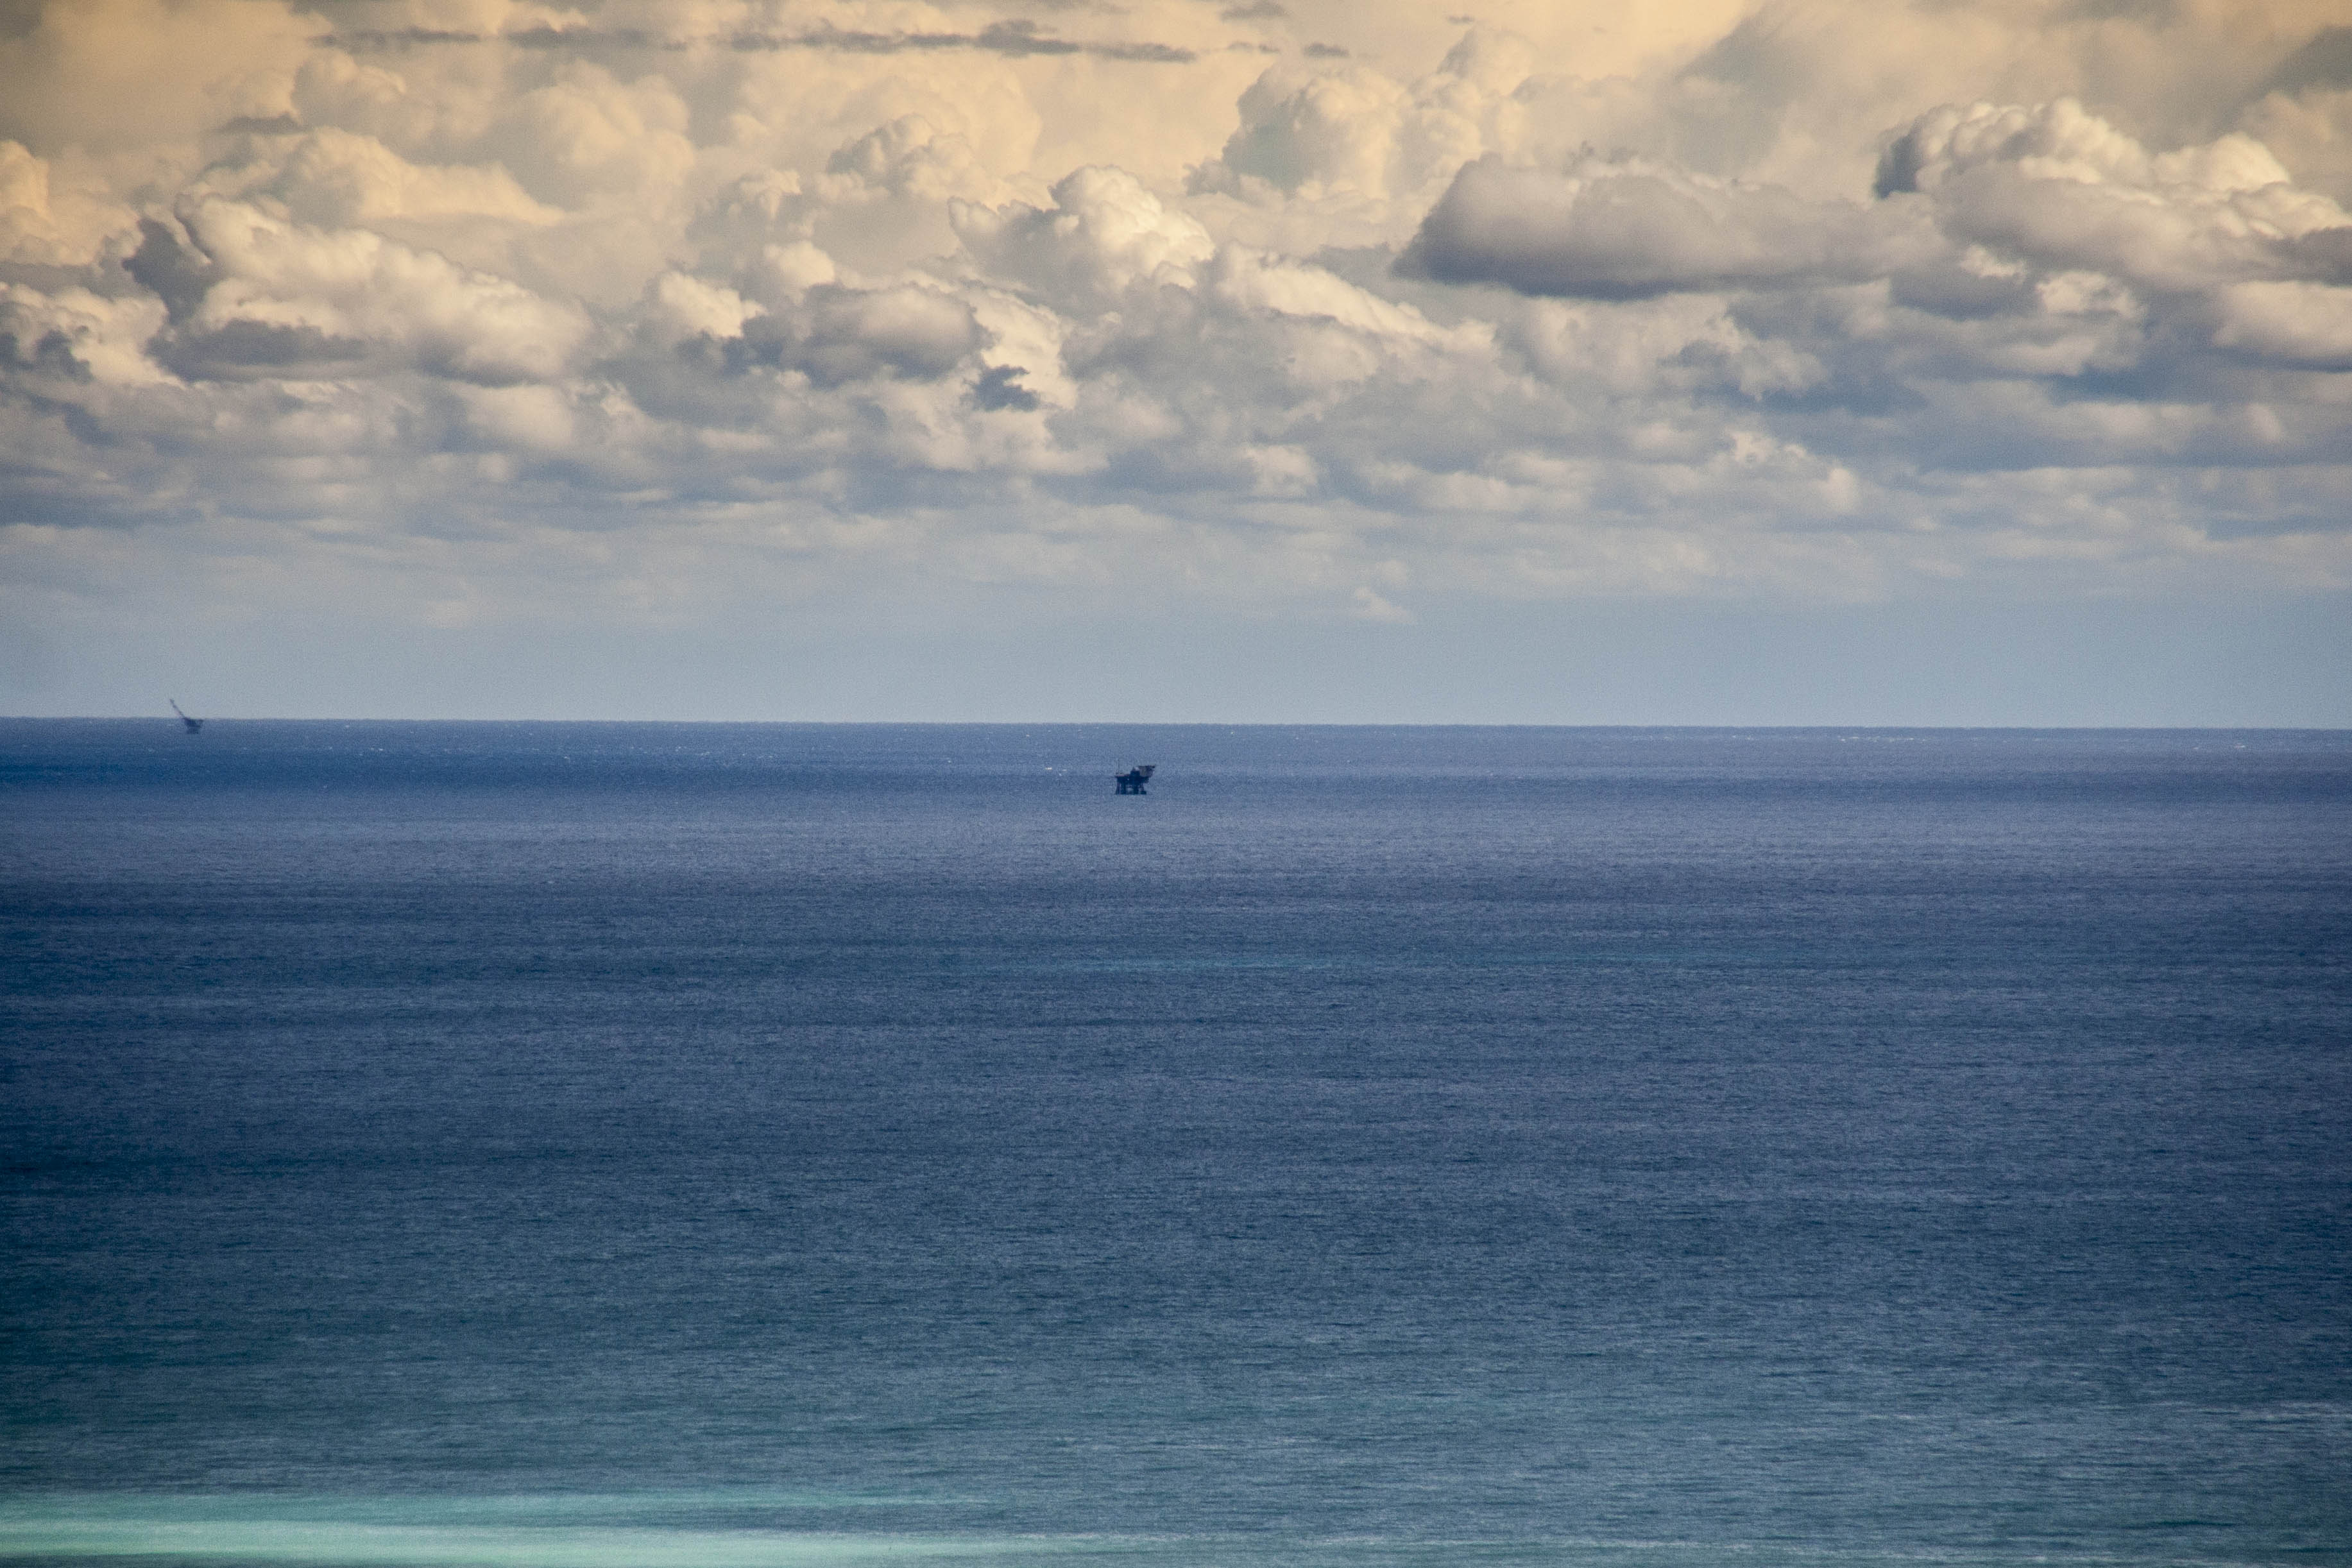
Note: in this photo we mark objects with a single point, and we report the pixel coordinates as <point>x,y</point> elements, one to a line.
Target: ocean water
<point>703,1146</point>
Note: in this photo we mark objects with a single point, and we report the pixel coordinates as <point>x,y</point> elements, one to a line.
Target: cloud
<point>2066,188</point>
<point>840,334</point>
<point>128,76</point>
<point>999,388</point>
<point>1018,37</point>
<point>1629,229</point>
<point>1826,301</point>
<point>251,294</point>
<point>44,223</point>
<point>2324,60</point>
<point>334,178</point>
<point>1105,234</point>
<point>77,337</point>
<point>2289,323</point>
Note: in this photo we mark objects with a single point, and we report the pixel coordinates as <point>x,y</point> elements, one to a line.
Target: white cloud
<point>2294,323</point>
<point>256,295</point>
<point>332,178</point>
<point>1372,605</point>
<point>44,219</point>
<point>1105,234</point>
<point>80,334</point>
<point>2062,188</point>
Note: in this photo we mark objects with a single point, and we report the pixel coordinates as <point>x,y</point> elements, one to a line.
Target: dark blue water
<point>640,1146</point>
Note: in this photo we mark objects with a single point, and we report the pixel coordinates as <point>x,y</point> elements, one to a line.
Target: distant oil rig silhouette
<point>1132,781</point>
<point>193,726</point>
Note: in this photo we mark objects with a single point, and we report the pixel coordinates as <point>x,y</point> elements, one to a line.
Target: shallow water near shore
<point>573,1145</point>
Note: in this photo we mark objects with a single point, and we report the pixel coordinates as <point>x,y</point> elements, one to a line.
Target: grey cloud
<point>263,125</point>
<point>545,37</point>
<point>842,335</point>
<point>1942,286</point>
<point>1611,229</point>
<point>2323,256</point>
<point>40,351</point>
<point>248,350</point>
<point>1015,39</point>
<point>1900,165</point>
<point>367,39</point>
<point>2325,61</point>
<point>2157,13</point>
<point>171,268</point>
<point>1018,39</point>
<point>373,40</point>
<point>999,388</point>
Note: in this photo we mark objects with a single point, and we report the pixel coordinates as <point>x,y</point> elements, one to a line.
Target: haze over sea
<point>711,1146</point>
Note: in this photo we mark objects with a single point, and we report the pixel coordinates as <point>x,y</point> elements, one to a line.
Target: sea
<point>605,1145</point>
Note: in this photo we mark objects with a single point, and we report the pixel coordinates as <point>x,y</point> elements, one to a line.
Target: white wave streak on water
<point>277,1535</point>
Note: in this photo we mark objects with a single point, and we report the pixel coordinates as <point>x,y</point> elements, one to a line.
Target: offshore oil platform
<point>193,726</point>
<point>1132,781</point>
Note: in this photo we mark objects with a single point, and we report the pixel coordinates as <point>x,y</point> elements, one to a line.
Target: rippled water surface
<point>643,1146</point>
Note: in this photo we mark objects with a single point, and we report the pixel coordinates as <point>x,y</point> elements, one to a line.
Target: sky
<point>1836,362</point>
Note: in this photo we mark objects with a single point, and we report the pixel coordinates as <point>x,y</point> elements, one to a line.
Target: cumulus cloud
<point>2063,187</point>
<point>252,294</point>
<point>1626,229</point>
<point>1104,234</point>
<point>2293,323</point>
<point>845,334</point>
<point>1769,299</point>
<point>334,179</point>
<point>46,221</point>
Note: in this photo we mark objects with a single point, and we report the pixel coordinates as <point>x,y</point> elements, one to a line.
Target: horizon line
<point>1199,724</point>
